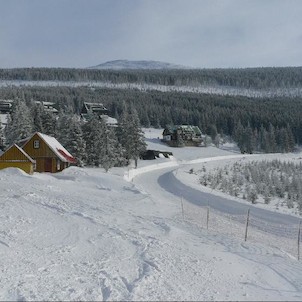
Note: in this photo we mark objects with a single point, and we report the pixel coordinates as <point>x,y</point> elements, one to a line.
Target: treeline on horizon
<point>249,78</point>
<point>261,124</point>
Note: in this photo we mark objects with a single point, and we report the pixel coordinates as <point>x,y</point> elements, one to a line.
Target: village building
<point>39,153</point>
<point>49,154</point>
<point>48,107</point>
<point>15,157</point>
<point>182,135</point>
<point>98,109</point>
<point>93,108</point>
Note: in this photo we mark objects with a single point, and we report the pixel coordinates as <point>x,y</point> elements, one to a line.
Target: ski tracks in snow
<point>104,239</point>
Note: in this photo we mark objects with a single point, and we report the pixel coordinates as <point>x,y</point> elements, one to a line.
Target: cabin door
<point>48,165</point>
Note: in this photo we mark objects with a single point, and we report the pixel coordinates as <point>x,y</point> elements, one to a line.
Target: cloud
<point>197,33</point>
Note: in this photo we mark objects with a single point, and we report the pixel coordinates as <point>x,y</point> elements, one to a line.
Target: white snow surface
<point>83,234</point>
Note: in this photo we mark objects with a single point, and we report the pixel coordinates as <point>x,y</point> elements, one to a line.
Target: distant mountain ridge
<point>144,64</point>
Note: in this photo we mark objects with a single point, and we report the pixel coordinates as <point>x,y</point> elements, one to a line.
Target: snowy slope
<point>84,234</point>
<point>144,64</point>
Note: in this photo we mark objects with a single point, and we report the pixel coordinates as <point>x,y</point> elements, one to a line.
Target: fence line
<point>246,227</point>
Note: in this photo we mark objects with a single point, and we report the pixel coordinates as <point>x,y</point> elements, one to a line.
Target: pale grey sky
<point>196,33</point>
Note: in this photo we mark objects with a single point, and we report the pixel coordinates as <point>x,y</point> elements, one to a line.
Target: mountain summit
<point>126,64</point>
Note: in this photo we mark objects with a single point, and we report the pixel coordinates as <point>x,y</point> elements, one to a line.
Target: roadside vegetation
<point>258,181</point>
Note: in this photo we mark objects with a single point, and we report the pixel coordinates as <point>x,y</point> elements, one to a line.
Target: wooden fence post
<point>182,209</point>
<point>247,224</point>
<point>208,215</point>
<point>299,235</point>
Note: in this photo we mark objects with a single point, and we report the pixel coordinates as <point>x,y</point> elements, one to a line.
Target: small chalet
<point>49,154</point>
<point>15,157</point>
<point>182,135</point>
<point>40,153</point>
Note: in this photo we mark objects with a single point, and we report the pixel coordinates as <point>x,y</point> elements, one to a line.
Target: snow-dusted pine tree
<point>49,123</point>
<point>93,132</point>
<point>37,112</point>
<point>62,128</point>
<point>74,141</point>
<point>131,135</point>
<point>19,124</point>
<point>1,138</point>
<point>111,151</point>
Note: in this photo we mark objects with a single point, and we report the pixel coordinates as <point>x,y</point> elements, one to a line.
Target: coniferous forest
<point>266,124</point>
<point>257,78</point>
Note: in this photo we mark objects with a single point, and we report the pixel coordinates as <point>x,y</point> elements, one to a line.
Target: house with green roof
<point>182,135</point>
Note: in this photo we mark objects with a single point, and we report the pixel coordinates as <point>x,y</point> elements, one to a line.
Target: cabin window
<point>36,144</point>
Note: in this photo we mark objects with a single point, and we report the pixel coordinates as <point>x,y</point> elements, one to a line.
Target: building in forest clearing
<point>93,108</point>
<point>44,153</point>
<point>182,135</point>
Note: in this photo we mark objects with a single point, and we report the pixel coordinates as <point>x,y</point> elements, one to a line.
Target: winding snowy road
<point>165,179</point>
<point>170,183</point>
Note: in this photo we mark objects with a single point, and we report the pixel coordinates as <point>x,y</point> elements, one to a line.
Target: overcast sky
<point>196,33</point>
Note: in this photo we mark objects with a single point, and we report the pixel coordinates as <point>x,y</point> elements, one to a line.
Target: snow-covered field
<point>84,234</point>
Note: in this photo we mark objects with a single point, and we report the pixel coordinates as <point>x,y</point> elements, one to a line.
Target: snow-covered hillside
<point>144,64</point>
<point>84,234</point>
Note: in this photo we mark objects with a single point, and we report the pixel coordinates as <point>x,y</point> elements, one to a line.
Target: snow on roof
<point>57,148</point>
<point>109,120</point>
<point>187,128</point>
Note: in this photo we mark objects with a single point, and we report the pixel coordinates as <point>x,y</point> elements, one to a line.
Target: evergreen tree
<point>282,140</point>
<point>111,151</point>
<point>37,111</point>
<point>213,132</point>
<point>2,145</point>
<point>291,139</point>
<point>19,124</point>
<point>62,128</point>
<point>131,135</point>
<point>49,123</point>
<point>248,139</point>
<point>262,139</point>
<point>74,141</point>
<point>93,133</point>
<point>271,145</point>
<point>238,135</point>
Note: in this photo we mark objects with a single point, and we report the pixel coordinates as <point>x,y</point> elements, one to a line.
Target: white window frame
<point>36,144</point>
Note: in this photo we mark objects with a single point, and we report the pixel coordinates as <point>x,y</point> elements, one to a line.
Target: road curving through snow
<point>166,180</point>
